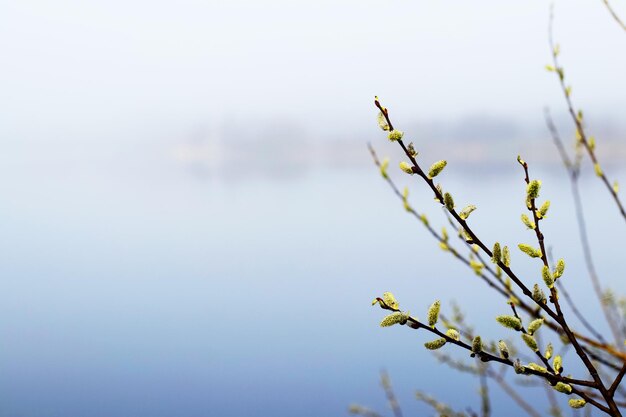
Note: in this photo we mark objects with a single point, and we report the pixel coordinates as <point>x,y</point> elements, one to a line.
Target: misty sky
<point>106,70</point>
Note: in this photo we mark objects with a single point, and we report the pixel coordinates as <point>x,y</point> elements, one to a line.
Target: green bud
<point>464,214</point>
<point>529,250</point>
<point>433,313</point>
<point>547,277</point>
<point>538,295</point>
<point>382,121</point>
<point>543,210</point>
<point>558,270</point>
<point>550,68</point>
<point>557,364</point>
<point>390,300</point>
<point>592,143</point>
<point>506,256</point>
<point>395,135</point>
<point>476,266</point>
<point>453,334</point>
<point>406,168</point>
<point>616,187</point>
<point>532,189</point>
<point>436,168</point>
<point>563,387</point>
<point>530,342</point>
<point>577,403</point>
<point>448,201</point>
<point>496,253</point>
<point>383,167</point>
<point>412,150</point>
<point>537,368</point>
<point>424,219</point>
<point>440,190</point>
<point>405,199</point>
<point>518,367</point>
<point>504,349</point>
<point>510,322</point>
<point>597,169</point>
<point>527,222</point>
<point>534,325</point>
<point>549,351</point>
<point>394,318</point>
<point>477,345</point>
<point>435,344</point>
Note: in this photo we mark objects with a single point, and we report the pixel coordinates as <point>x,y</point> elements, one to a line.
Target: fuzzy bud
<point>448,201</point>
<point>476,266</point>
<point>510,322</point>
<point>547,276</point>
<point>549,351</point>
<point>477,345</point>
<point>504,349</point>
<point>405,199</point>
<point>537,368</point>
<point>435,344</point>
<point>559,269</point>
<point>382,122</point>
<point>534,325</point>
<point>433,313</point>
<point>411,149</point>
<point>532,189</point>
<point>616,187</point>
<point>390,300</point>
<point>557,364</point>
<point>453,334</point>
<point>506,256</point>
<point>395,135</point>
<point>530,342</point>
<point>527,222</point>
<point>404,166</point>
<point>496,253</point>
<point>577,403</point>
<point>464,214</point>
<point>538,295</point>
<point>383,168</point>
<point>518,367</point>
<point>543,210</point>
<point>436,168</point>
<point>597,169</point>
<point>394,318</point>
<point>563,387</point>
<point>529,250</point>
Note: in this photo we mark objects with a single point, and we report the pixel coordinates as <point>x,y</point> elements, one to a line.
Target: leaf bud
<point>404,166</point>
<point>433,313</point>
<point>435,344</point>
<point>436,168</point>
<point>530,342</point>
<point>510,322</point>
<point>395,135</point>
<point>577,403</point>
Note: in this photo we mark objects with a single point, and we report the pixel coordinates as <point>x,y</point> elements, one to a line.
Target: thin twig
<point>615,16</point>
<point>391,396</point>
<point>584,238</point>
<point>577,118</point>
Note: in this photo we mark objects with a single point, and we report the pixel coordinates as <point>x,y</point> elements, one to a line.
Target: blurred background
<point>191,224</point>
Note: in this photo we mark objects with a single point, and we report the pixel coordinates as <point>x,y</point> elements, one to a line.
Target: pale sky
<point>104,68</point>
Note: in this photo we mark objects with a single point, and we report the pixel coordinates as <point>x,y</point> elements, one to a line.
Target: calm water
<point>132,286</point>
